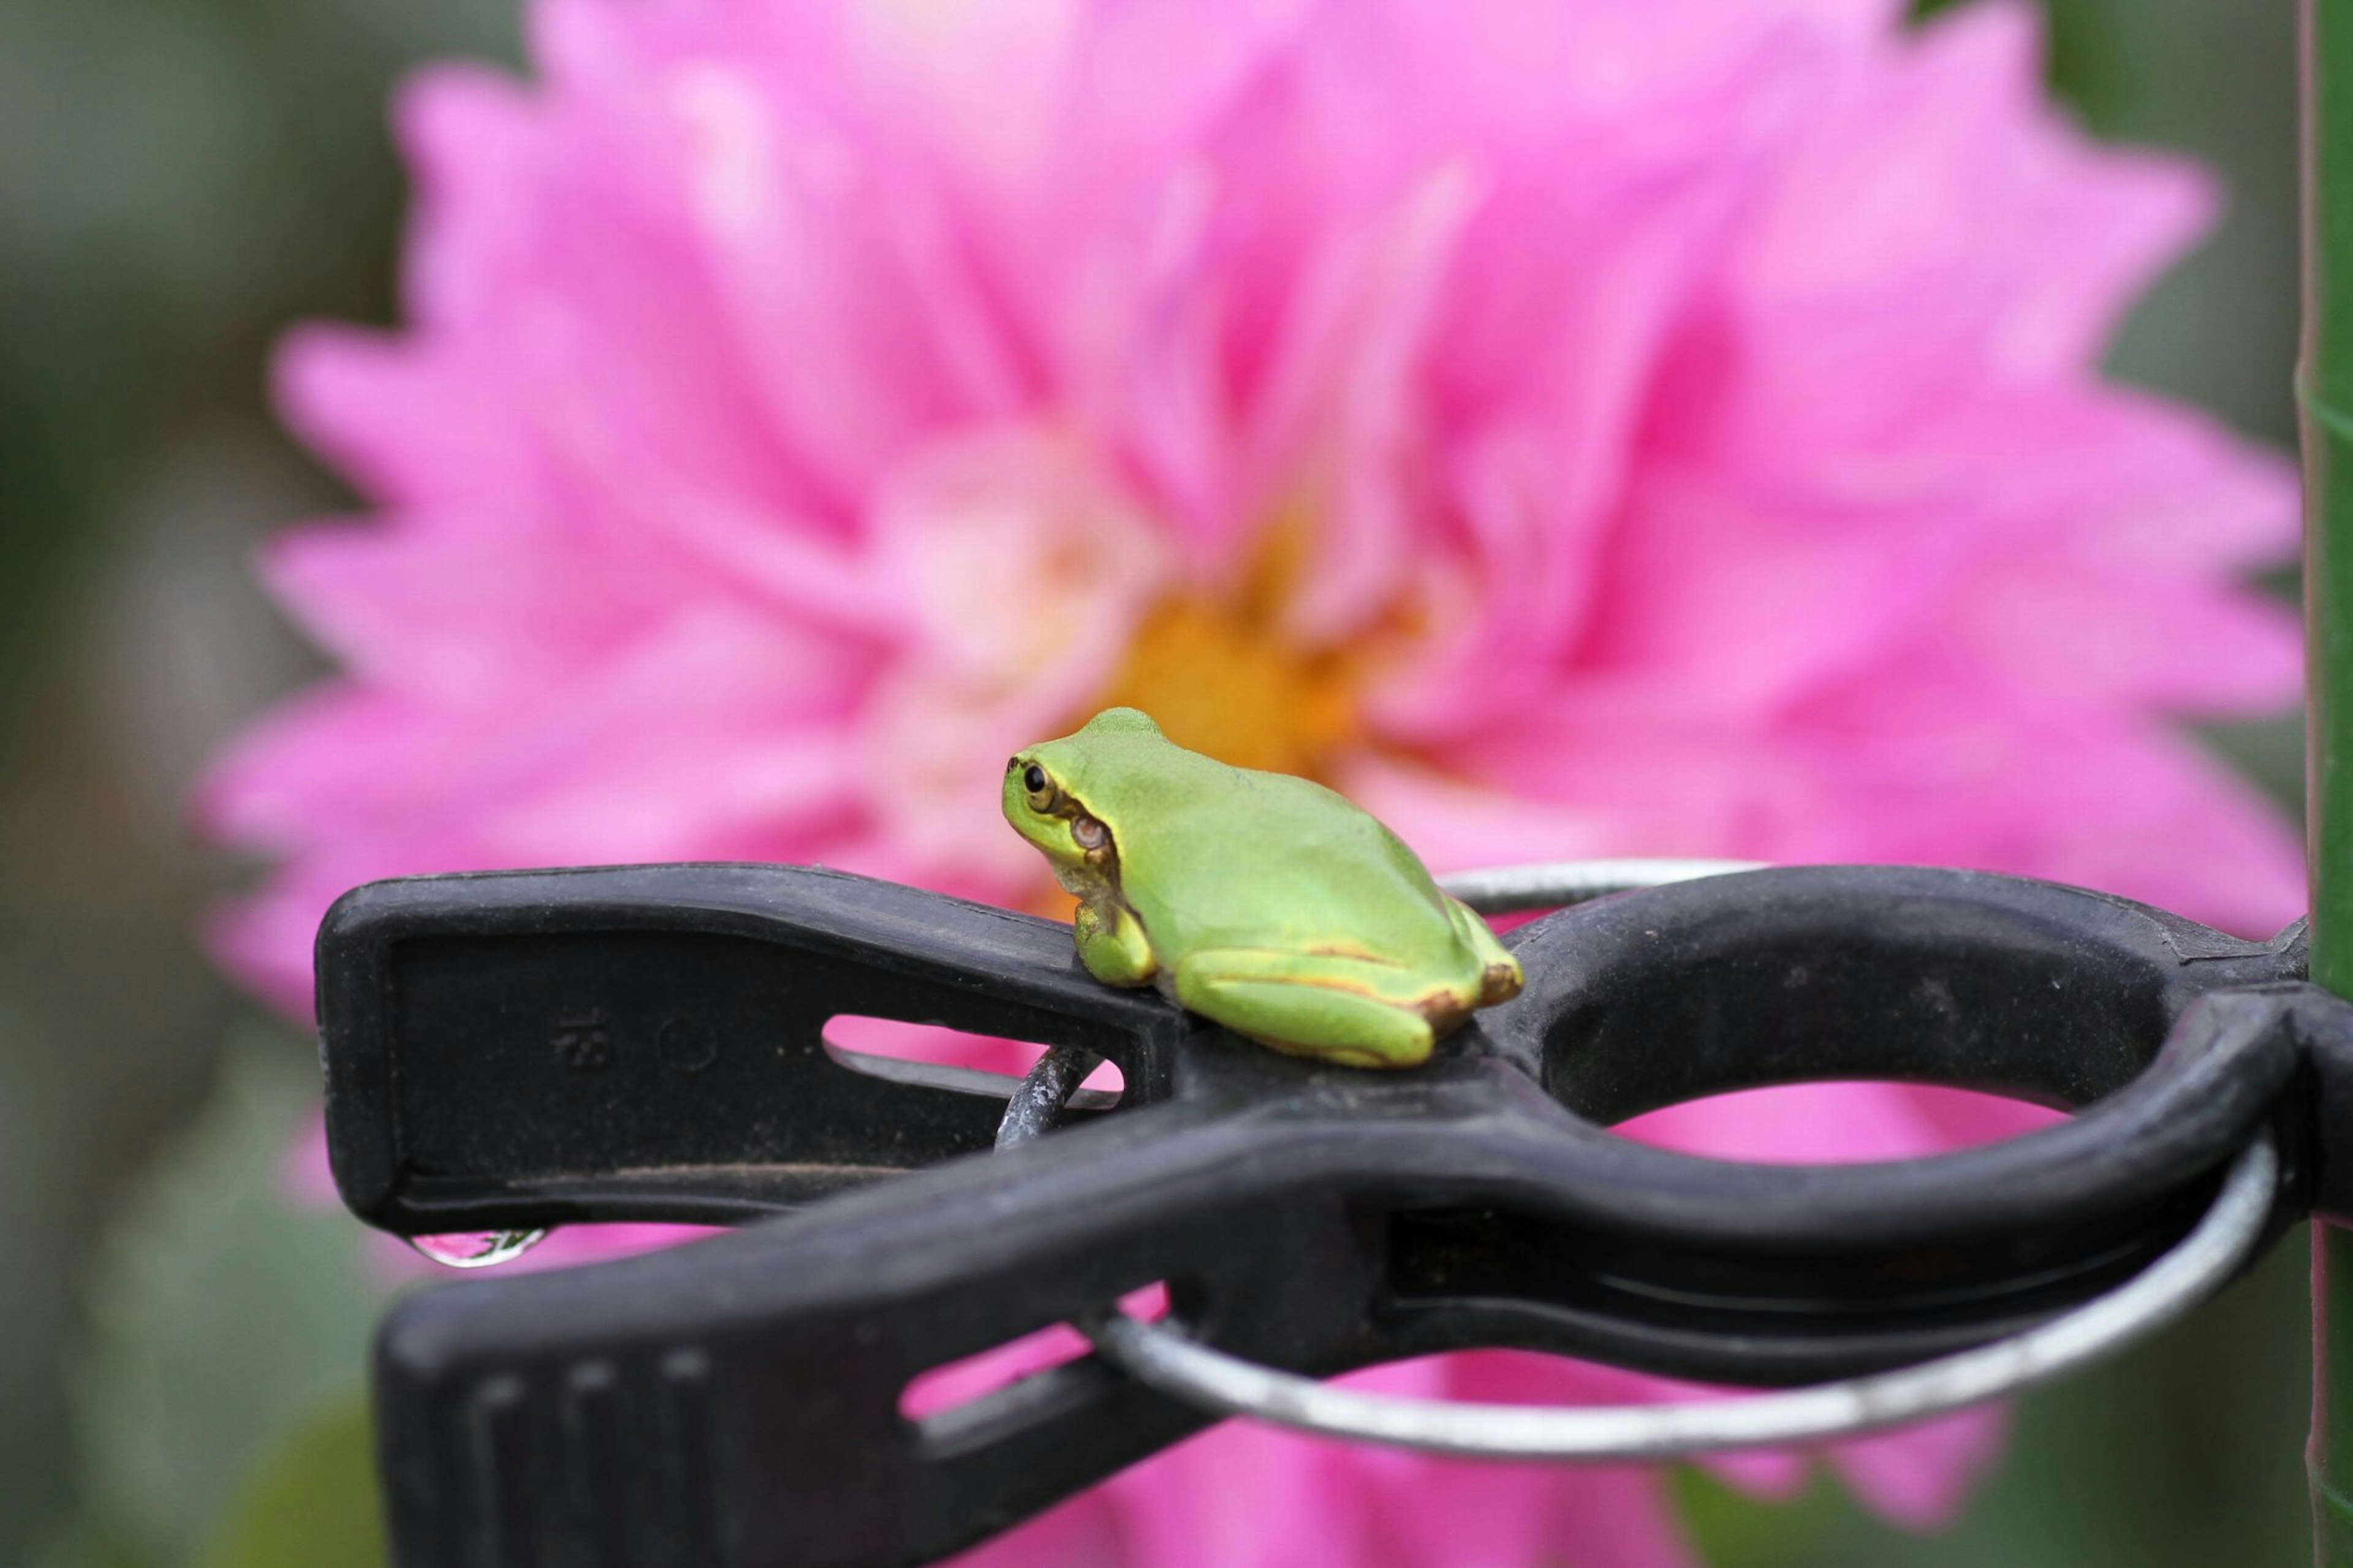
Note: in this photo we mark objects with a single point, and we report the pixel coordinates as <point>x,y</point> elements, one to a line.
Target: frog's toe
<point>1500,981</point>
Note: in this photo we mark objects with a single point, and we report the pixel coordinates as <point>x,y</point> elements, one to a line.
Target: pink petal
<point>1919,1476</point>
<point>405,424</point>
<point>1834,1123</point>
<point>1337,429</point>
<point>472,137</point>
<point>472,618</point>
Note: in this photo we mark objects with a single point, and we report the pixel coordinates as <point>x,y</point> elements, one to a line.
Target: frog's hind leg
<point>1333,1008</point>
<point>1500,977</point>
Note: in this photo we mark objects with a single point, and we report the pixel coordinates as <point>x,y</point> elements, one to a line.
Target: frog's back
<point>1235,858</point>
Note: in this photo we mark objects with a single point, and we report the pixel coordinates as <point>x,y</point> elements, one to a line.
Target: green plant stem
<point>2325,399</point>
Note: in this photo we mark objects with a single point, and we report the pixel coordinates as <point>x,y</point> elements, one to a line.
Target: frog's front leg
<point>1112,945</point>
<point>1335,1008</point>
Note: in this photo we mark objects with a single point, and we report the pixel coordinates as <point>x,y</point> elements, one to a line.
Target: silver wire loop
<point>1555,884</point>
<point>1162,1355</point>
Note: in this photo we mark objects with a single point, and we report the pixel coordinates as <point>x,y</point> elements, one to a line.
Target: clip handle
<point>739,1402</point>
<point>647,1042</point>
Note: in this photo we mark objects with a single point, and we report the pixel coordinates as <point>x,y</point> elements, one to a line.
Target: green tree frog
<point>1266,903</point>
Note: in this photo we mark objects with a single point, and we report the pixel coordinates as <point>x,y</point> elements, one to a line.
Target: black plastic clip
<point>550,1047</point>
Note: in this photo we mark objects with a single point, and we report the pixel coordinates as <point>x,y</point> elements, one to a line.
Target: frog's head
<point>1063,796</point>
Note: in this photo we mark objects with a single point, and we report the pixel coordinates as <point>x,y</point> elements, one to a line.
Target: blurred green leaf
<point>221,1311</point>
<point>310,1503</point>
<point>84,1545</point>
<point>1731,1528</point>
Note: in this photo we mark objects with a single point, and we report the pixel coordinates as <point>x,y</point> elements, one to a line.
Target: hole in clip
<point>954,1399</point>
<point>902,1051</point>
<point>1858,974</point>
<point>1841,1122</point>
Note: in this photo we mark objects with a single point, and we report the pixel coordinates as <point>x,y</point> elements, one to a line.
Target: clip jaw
<point>510,1049</point>
<point>645,1042</point>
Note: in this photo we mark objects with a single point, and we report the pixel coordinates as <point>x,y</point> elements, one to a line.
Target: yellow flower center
<point>1221,681</point>
<point>1222,676</point>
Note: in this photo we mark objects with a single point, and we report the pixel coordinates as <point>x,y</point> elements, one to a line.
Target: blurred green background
<point>181,178</point>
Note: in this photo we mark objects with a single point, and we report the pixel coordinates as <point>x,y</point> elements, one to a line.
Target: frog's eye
<point>1040,789</point>
<point>1090,834</point>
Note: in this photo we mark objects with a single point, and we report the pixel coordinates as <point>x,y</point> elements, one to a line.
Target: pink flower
<point>1568,426</point>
